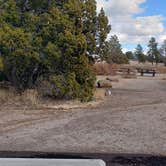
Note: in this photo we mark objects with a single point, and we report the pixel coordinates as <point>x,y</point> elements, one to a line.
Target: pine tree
<point>163,52</point>
<point>102,32</point>
<point>153,53</point>
<point>115,54</point>
<point>130,55</point>
<point>139,54</point>
<point>163,48</point>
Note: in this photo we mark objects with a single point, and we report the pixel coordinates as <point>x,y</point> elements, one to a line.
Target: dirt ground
<point>131,121</point>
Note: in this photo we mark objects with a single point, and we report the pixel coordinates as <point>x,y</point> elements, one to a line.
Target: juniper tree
<point>89,25</point>
<point>45,39</point>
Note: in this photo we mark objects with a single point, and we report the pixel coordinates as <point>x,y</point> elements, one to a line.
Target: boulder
<point>104,84</point>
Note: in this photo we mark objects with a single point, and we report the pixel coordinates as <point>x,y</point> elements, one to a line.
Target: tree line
<point>155,54</point>
<point>52,41</point>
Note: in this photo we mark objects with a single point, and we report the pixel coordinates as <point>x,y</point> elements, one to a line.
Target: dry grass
<point>9,95</point>
<point>99,97</point>
<point>161,70</point>
<point>129,76</point>
<point>6,95</point>
<point>30,96</point>
<point>71,105</point>
<point>30,99</point>
<point>99,94</point>
<point>105,68</point>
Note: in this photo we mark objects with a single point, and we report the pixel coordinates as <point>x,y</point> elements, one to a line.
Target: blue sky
<point>135,21</point>
<point>154,7</point>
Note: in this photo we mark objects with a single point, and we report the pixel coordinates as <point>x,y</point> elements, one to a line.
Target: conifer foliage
<point>50,40</point>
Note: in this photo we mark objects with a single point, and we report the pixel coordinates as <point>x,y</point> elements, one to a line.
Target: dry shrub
<point>103,68</point>
<point>9,95</point>
<point>45,88</point>
<point>6,95</point>
<point>161,70</point>
<point>6,92</point>
<point>30,96</point>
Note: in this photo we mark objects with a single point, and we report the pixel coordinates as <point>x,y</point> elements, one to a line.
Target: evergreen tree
<point>45,40</point>
<point>115,54</point>
<point>163,48</point>
<point>130,55</point>
<point>163,52</point>
<point>153,53</point>
<point>89,25</point>
<point>102,32</point>
<point>9,12</point>
<point>140,54</point>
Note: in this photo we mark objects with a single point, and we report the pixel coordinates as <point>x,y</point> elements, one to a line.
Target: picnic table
<point>148,71</point>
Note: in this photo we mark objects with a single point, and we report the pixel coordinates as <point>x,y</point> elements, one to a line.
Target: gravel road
<point>132,120</point>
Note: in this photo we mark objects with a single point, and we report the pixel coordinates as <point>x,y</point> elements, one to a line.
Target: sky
<point>136,21</point>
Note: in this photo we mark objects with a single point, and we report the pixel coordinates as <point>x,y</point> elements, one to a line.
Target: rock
<point>108,92</point>
<point>104,84</point>
<point>112,79</point>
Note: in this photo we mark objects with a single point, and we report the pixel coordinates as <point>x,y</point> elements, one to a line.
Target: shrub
<point>60,87</point>
<point>69,86</point>
<point>1,64</point>
<point>58,84</point>
<point>22,72</point>
<point>86,79</point>
<point>72,87</point>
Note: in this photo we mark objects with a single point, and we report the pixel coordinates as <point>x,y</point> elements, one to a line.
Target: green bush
<point>78,85</point>
<point>1,64</point>
<point>60,87</point>
<point>72,87</point>
<point>58,84</point>
<point>86,79</point>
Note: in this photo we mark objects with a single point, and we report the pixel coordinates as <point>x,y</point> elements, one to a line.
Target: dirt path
<point>132,120</point>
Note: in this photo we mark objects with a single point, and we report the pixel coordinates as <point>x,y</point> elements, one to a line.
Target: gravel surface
<point>132,120</point>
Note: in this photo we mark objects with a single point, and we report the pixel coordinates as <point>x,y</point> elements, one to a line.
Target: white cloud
<point>131,29</point>
<point>118,7</point>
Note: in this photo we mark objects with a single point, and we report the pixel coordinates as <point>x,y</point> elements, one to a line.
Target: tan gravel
<point>132,120</point>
